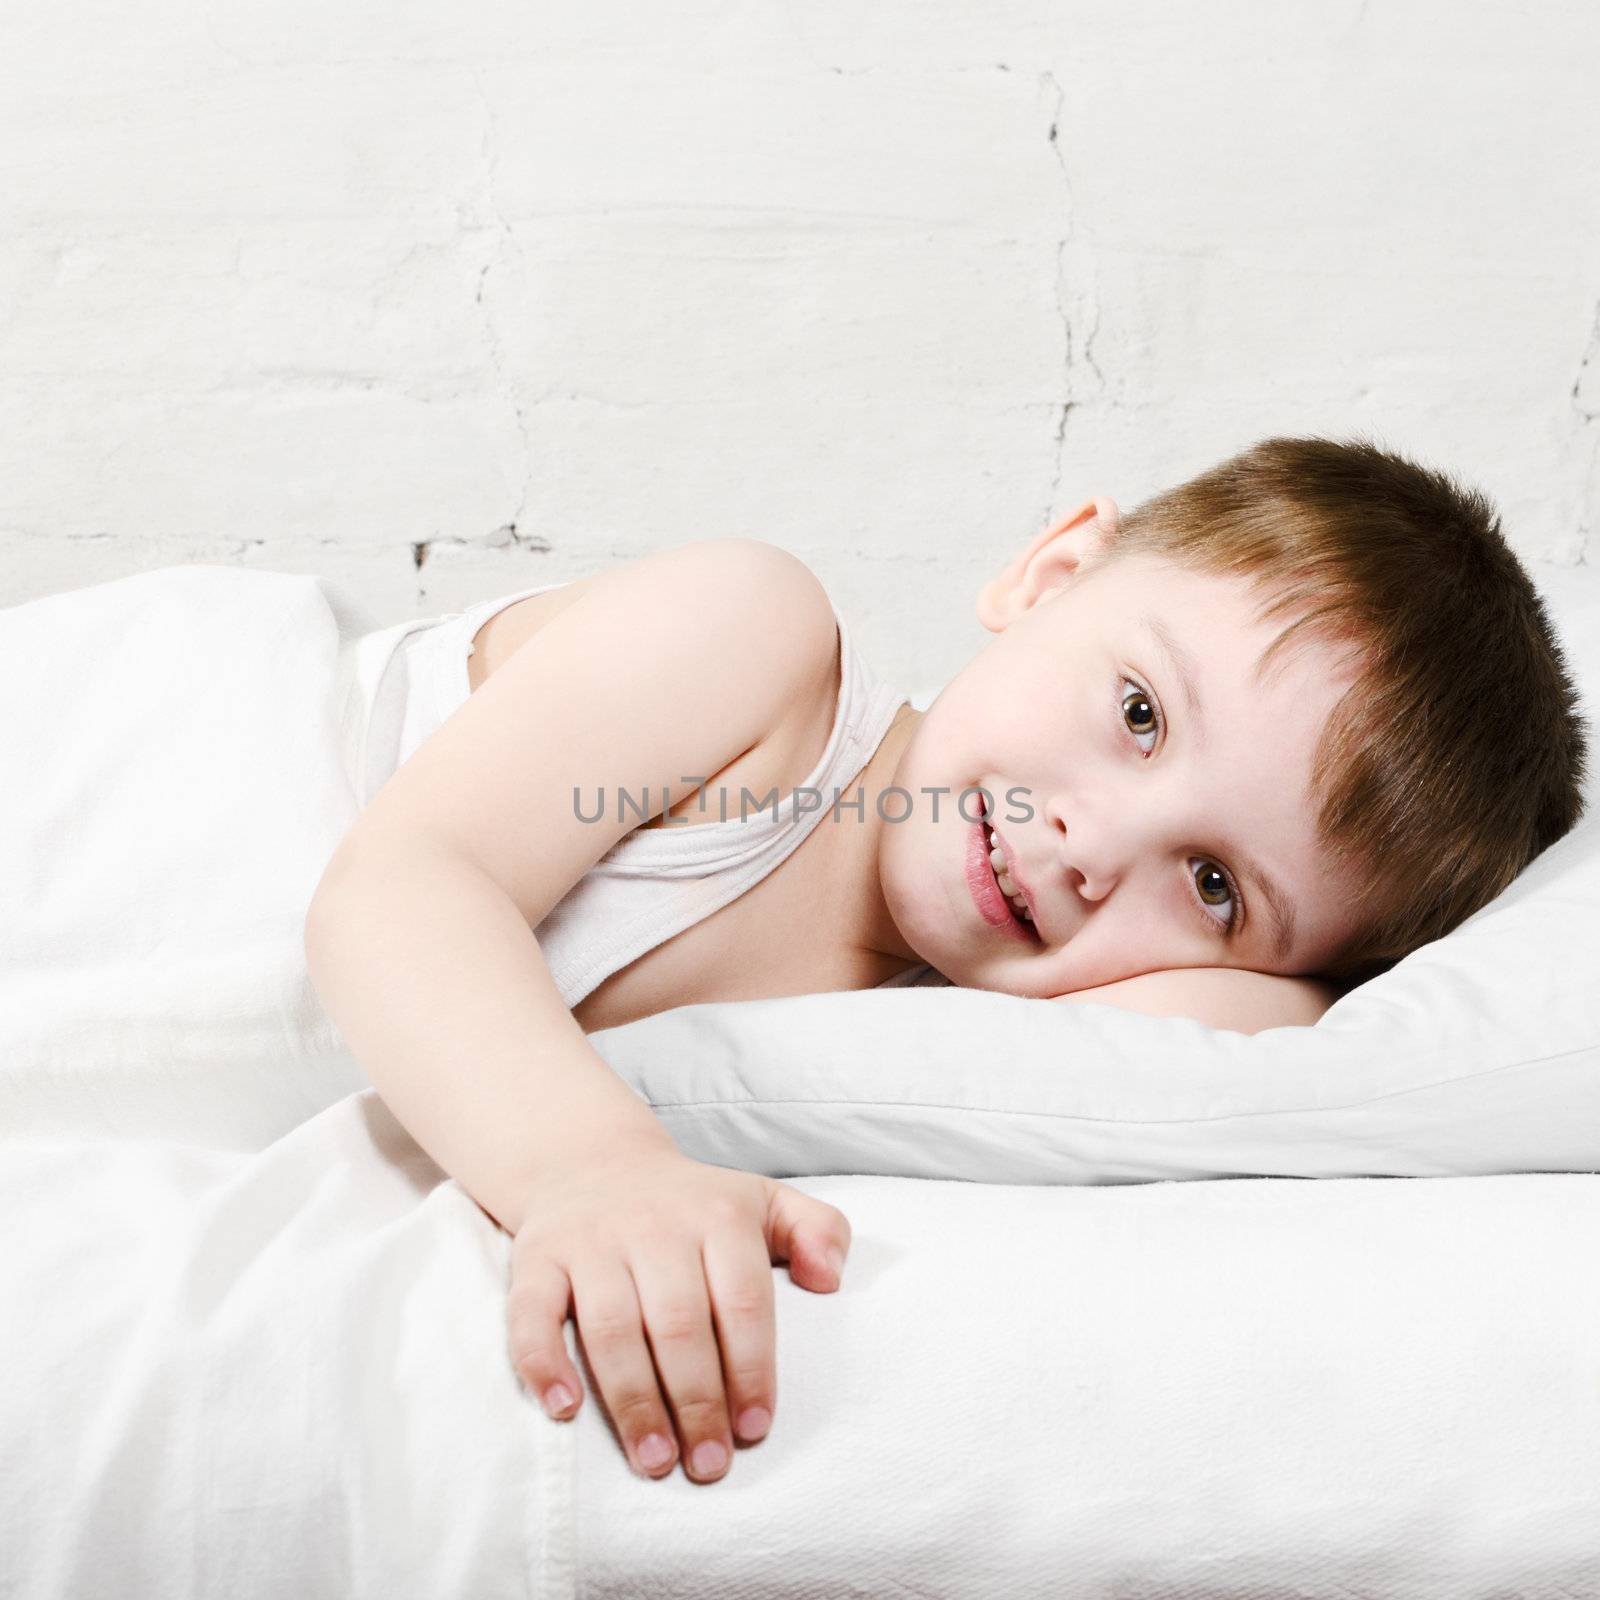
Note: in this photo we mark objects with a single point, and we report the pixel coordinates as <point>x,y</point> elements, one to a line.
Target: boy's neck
<point>857,844</point>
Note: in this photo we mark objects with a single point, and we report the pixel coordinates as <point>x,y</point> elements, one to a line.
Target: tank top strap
<point>655,882</point>
<point>408,678</point>
<point>864,707</point>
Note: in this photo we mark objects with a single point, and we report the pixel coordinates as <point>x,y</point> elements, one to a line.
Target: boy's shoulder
<point>739,577</point>
<point>756,562</point>
<point>757,601</point>
<point>737,593</point>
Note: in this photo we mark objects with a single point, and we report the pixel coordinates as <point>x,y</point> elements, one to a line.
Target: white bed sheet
<point>282,1374</point>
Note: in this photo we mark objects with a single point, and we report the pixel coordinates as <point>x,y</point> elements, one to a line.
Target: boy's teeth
<point>997,860</point>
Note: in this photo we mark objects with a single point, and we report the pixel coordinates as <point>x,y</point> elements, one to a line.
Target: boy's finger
<point>677,1315</point>
<point>536,1308</point>
<point>811,1235</point>
<point>739,1278</point>
<point>611,1325</point>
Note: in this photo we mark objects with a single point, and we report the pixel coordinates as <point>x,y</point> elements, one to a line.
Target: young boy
<point>1288,721</point>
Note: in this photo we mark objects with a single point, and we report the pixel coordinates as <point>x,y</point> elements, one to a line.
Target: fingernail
<point>708,1459</point>
<point>557,1398</point>
<point>655,1452</point>
<point>836,1260</point>
<point>753,1423</point>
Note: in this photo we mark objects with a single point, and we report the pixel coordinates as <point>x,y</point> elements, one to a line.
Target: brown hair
<point>1457,754</point>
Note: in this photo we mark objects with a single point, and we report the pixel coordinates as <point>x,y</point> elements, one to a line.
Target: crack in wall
<point>1585,399</point>
<point>1068,243</point>
<point>505,240</point>
<point>496,539</point>
<point>1074,240</point>
<point>1585,403</point>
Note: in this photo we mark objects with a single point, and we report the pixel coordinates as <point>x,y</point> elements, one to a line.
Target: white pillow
<point>1478,1053</point>
<point>174,783</point>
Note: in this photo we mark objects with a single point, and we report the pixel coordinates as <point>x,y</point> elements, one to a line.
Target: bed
<point>1134,1307</point>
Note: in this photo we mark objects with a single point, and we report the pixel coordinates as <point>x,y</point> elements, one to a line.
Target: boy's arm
<point>419,939</point>
<point>1221,997</point>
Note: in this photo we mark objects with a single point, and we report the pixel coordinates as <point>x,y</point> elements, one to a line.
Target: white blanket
<point>283,1375</point>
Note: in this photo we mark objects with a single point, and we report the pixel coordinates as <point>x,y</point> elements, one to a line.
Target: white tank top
<point>653,882</point>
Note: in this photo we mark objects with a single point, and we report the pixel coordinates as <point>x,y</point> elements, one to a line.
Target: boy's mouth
<point>994,905</point>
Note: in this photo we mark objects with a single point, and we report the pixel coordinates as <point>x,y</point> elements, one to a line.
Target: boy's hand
<point>1235,998</point>
<point>643,1241</point>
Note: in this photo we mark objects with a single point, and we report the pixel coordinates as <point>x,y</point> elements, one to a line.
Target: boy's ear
<point>1048,563</point>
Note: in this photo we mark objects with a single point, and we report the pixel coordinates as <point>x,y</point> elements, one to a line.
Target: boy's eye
<point>1212,884</point>
<point>1140,714</point>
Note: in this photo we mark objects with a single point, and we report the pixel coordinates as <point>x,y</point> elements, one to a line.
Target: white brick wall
<point>531,287</point>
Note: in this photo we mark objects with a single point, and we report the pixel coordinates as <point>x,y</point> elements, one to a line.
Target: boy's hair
<point>1458,753</point>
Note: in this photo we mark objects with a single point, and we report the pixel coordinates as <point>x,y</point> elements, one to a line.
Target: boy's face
<point>1149,833</point>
